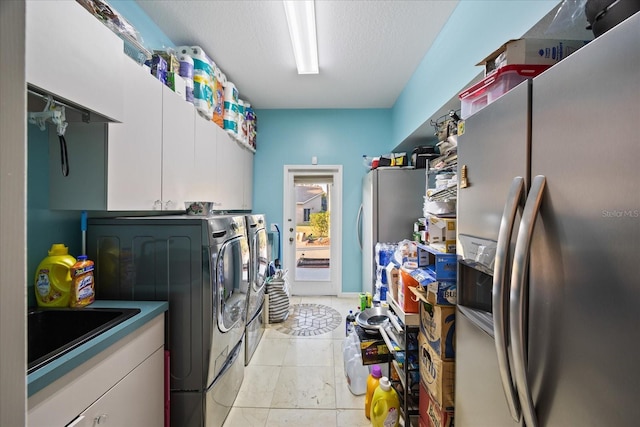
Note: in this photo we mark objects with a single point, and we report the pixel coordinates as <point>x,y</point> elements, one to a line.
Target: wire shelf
<point>448,194</point>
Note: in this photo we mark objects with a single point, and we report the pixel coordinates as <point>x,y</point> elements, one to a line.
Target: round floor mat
<point>309,319</point>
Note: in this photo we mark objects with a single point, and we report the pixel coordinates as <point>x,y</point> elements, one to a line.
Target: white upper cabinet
<point>205,185</point>
<point>247,203</point>
<point>134,175</point>
<point>72,55</point>
<point>230,172</point>
<point>178,150</point>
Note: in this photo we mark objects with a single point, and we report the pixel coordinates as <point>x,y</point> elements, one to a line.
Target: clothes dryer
<point>200,265</point>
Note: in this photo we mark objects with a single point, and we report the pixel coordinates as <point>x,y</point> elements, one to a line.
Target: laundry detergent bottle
<point>372,384</point>
<point>53,277</point>
<point>385,405</point>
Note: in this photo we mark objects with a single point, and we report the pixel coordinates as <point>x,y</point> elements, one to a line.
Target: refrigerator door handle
<point>500,294</point>
<point>359,226</point>
<point>518,298</point>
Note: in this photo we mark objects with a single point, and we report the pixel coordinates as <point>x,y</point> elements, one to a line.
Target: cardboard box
<point>431,414</point>
<point>438,324</point>
<point>441,230</point>
<point>393,277</point>
<point>442,293</point>
<point>438,376</point>
<point>438,267</point>
<point>373,348</point>
<point>530,51</point>
<point>407,301</point>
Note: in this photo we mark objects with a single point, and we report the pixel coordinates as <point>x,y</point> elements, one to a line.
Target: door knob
<point>291,239</point>
<point>291,229</point>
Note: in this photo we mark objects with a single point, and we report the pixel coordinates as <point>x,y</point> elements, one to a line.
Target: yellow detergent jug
<point>373,381</point>
<point>385,405</point>
<point>53,277</point>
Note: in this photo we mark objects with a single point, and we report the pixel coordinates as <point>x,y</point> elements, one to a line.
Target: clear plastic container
<point>495,85</point>
<point>357,374</point>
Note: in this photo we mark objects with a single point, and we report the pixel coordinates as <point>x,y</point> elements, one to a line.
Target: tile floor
<point>293,381</point>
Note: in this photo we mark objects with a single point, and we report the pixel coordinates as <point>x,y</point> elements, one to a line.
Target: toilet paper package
<point>202,82</point>
<point>218,97</point>
<point>231,108</point>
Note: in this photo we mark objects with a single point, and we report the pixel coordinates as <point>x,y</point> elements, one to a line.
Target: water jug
<point>372,384</point>
<point>357,374</point>
<point>53,277</point>
<point>385,405</point>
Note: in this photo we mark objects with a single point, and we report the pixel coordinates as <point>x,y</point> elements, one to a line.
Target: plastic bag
<point>568,15</point>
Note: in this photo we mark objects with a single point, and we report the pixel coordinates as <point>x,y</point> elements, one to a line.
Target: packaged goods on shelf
<point>437,375</point>
<point>430,413</point>
<point>438,324</point>
<point>530,51</point>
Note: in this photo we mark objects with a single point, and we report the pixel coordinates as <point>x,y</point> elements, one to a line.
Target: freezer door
<point>369,231</point>
<point>584,284</point>
<point>480,399</point>
<point>392,201</point>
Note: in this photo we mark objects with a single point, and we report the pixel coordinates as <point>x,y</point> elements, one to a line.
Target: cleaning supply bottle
<point>82,287</point>
<point>349,321</point>
<point>372,384</point>
<point>385,405</point>
<point>53,277</point>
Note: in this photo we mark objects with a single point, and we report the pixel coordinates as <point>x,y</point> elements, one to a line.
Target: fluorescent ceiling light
<point>301,18</point>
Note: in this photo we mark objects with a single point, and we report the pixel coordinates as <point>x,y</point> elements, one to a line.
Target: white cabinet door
<point>135,145</point>
<point>229,172</point>
<point>178,150</point>
<point>248,179</point>
<point>137,400</point>
<point>205,185</point>
<point>72,55</point>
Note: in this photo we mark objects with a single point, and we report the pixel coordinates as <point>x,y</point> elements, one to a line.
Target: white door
<point>312,230</point>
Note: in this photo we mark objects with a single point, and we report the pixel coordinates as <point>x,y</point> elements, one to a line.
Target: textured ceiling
<point>367,49</point>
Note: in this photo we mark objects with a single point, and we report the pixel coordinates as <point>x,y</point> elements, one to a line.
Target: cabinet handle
<point>101,419</point>
<point>157,205</point>
<point>168,204</point>
<point>76,421</point>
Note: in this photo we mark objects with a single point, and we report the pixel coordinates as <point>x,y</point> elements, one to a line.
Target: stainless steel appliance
<point>548,244</point>
<point>201,266</point>
<point>392,201</point>
<point>259,261</point>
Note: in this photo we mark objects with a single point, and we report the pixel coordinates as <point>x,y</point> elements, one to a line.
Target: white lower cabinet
<point>120,386</point>
<point>137,400</point>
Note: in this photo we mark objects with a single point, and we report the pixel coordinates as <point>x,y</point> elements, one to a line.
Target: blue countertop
<point>54,370</point>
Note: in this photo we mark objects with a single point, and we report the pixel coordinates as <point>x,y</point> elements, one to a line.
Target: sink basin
<point>53,332</point>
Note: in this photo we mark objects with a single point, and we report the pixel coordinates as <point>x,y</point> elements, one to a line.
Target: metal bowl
<point>198,208</point>
<point>372,319</point>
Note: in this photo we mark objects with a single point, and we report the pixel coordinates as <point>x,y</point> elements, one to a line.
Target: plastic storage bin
<point>495,85</point>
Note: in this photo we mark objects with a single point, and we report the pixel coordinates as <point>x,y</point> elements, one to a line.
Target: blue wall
<point>336,137</point>
<point>44,226</point>
<point>474,30</point>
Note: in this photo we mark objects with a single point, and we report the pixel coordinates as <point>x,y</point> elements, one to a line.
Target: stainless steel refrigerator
<point>392,201</point>
<point>549,246</point>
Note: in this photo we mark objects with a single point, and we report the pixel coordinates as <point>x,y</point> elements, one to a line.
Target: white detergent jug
<point>357,374</point>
